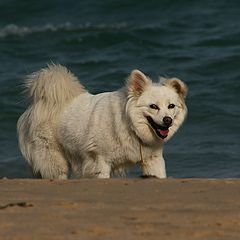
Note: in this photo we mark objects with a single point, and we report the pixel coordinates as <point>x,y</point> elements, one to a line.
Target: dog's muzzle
<point>160,130</point>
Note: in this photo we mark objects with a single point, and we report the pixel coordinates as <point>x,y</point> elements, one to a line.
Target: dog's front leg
<point>154,166</point>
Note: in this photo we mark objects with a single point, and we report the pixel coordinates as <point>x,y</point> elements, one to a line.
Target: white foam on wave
<point>15,30</point>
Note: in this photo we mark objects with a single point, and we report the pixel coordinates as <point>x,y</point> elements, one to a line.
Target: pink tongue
<point>164,132</point>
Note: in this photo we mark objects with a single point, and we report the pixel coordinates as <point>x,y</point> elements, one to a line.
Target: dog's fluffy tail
<point>49,91</point>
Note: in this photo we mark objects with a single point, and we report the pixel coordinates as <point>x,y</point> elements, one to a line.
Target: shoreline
<point>120,208</point>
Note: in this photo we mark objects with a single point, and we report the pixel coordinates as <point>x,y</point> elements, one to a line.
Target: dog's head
<point>156,110</point>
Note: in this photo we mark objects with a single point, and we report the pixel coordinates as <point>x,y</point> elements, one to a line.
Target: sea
<point>102,41</point>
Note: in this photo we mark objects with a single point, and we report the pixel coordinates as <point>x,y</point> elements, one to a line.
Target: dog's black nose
<point>167,121</point>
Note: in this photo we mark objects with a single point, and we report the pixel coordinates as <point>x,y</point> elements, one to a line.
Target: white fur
<point>96,135</point>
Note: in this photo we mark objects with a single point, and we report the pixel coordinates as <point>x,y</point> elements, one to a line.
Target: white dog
<point>98,135</point>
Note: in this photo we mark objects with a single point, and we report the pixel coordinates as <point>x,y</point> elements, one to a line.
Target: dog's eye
<point>171,106</point>
<point>154,106</point>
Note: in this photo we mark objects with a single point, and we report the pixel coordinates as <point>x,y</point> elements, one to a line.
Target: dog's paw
<point>148,176</point>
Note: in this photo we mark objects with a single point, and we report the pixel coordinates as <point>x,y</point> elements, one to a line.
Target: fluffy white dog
<point>65,127</point>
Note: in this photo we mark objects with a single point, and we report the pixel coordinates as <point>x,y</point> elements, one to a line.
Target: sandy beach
<point>120,209</point>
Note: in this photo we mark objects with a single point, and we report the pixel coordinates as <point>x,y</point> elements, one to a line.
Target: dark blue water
<point>102,41</point>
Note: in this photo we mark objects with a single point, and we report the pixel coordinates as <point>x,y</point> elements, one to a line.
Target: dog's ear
<point>137,83</point>
<point>179,86</point>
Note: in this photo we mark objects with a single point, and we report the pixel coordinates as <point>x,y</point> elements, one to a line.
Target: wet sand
<point>172,209</point>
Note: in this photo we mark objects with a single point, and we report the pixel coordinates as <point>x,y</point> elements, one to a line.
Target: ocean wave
<point>21,31</point>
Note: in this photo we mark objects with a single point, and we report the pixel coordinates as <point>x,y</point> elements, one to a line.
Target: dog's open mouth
<point>161,131</point>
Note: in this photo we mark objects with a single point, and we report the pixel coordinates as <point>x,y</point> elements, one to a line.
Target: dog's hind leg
<point>95,168</point>
<point>48,161</point>
<point>49,164</point>
<point>103,170</point>
<point>44,154</point>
